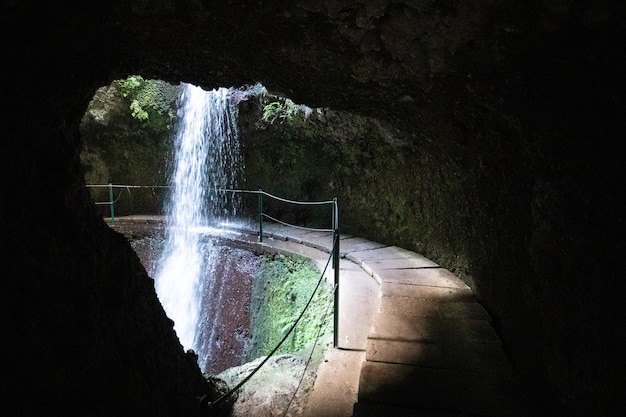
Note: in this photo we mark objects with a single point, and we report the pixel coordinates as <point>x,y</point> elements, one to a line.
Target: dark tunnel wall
<point>517,109</point>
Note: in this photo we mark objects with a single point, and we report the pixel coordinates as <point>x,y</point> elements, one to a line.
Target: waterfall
<point>205,164</point>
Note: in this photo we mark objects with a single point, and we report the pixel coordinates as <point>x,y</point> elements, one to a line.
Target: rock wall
<point>120,149</point>
<point>517,109</point>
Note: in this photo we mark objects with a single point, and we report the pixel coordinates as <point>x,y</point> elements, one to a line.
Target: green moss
<point>282,288</point>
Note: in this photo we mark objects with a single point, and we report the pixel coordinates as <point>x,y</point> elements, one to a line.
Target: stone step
<point>431,350</point>
<point>443,390</point>
<point>358,299</point>
<point>417,307</point>
<point>434,330</point>
<point>430,276</point>
<point>349,245</point>
<point>391,253</point>
<point>475,357</point>
<point>319,240</point>
<point>439,293</point>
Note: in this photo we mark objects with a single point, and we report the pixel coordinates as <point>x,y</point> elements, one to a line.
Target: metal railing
<point>111,202</point>
<point>335,242</point>
<point>284,338</point>
<point>334,257</point>
<point>334,250</point>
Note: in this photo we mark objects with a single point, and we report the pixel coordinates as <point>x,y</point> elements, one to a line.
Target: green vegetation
<point>282,288</point>
<point>126,140</point>
<point>151,101</point>
<point>283,110</point>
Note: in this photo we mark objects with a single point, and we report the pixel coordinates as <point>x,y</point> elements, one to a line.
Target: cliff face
<point>514,111</point>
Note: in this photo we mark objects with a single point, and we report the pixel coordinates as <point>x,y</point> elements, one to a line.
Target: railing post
<point>336,268</point>
<point>112,204</point>
<point>260,215</point>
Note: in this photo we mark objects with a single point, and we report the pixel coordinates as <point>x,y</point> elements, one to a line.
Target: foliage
<point>138,112</point>
<point>129,86</point>
<point>283,287</point>
<point>151,101</point>
<point>125,148</point>
<point>282,111</point>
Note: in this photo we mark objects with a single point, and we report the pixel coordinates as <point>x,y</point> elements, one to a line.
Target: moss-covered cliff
<point>282,289</point>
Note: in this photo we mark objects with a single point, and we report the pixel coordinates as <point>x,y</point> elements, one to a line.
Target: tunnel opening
<point>128,160</point>
<point>127,142</point>
<point>354,151</point>
<point>556,71</point>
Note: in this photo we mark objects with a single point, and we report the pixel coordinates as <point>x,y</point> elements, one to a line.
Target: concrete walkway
<point>414,333</point>
<point>412,338</point>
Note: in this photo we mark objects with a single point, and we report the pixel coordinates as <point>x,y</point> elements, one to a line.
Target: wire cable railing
<point>306,366</point>
<point>280,343</point>
<point>334,257</point>
<point>111,202</point>
<point>262,215</point>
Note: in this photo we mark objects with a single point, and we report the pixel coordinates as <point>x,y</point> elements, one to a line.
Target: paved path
<point>413,340</point>
<point>429,346</point>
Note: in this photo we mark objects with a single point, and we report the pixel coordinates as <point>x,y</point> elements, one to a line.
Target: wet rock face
<point>225,318</point>
<point>517,108</point>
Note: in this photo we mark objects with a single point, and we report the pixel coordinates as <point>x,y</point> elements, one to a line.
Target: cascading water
<point>206,163</point>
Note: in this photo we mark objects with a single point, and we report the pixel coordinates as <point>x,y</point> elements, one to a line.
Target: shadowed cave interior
<point>509,173</point>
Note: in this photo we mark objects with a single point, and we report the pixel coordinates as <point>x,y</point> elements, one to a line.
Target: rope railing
<point>334,256</point>
<point>111,202</point>
<point>306,366</point>
<point>261,215</point>
<point>280,343</point>
<point>275,220</point>
<point>335,246</point>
